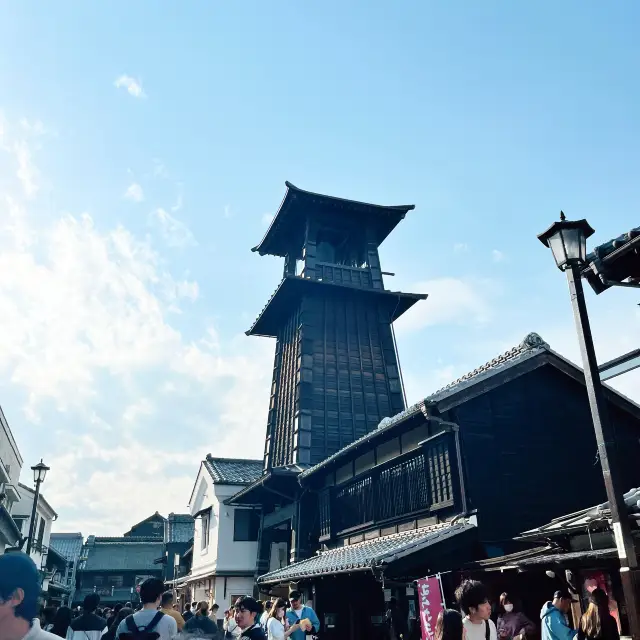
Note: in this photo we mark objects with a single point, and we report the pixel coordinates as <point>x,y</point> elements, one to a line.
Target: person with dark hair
<point>278,627</point>
<point>512,624</point>
<point>48,614</point>
<point>166,606</point>
<point>268,605</point>
<point>148,619</point>
<point>187,613</point>
<point>247,615</point>
<point>473,599</point>
<point>201,624</point>
<point>61,622</point>
<point>597,623</point>
<point>88,626</point>
<point>297,612</point>
<point>554,617</point>
<point>114,614</point>
<point>19,593</point>
<point>123,612</point>
<point>449,625</point>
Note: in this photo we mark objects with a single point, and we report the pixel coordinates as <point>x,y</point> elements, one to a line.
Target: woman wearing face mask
<point>512,624</point>
<point>278,626</point>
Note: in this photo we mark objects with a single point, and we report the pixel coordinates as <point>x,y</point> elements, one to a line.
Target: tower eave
<point>292,288</point>
<point>276,240</point>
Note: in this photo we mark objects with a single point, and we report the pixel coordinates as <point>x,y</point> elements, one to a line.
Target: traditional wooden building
<point>114,567</point>
<point>153,527</point>
<point>478,461</point>
<point>361,496</point>
<point>178,540</point>
<point>69,546</point>
<point>336,372</point>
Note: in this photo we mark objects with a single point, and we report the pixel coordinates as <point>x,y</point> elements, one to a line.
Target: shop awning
<point>368,555</point>
<point>542,557</point>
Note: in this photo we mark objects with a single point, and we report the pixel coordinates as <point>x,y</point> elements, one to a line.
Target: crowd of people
<point>473,620</point>
<point>156,617</point>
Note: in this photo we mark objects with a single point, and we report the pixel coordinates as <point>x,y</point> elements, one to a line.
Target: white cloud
<point>227,213</point>
<point>267,218</point>
<point>113,395</point>
<point>159,169</point>
<point>142,407</point>
<point>450,301</point>
<point>497,256</point>
<point>175,233</point>
<point>27,172</point>
<point>134,192</point>
<point>460,247</point>
<point>36,127</point>
<point>133,86</point>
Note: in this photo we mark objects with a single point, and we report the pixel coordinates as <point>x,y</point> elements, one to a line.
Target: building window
<point>204,535</point>
<point>98,581</point>
<point>246,523</point>
<point>115,581</point>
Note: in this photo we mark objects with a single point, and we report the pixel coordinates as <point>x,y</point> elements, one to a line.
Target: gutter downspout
<point>463,492</point>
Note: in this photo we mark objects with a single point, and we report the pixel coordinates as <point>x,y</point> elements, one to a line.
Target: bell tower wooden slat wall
<point>336,372</point>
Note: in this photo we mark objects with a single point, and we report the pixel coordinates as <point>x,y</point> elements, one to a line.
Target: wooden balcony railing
<point>420,482</point>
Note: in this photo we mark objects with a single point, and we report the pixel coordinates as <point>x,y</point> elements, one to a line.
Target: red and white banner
<point>430,603</point>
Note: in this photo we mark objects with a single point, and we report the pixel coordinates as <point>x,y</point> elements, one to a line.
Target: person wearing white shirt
<point>230,626</point>
<point>278,627</point>
<point>474,602</point>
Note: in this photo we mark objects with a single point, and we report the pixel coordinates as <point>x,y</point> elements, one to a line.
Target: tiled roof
<point>291,216</point>
<point>532,345</point>
<point>68,545</point>
<point>179,527</point>
<point>366,555</point>
<point>580,520</point>
<point>292,288</point>
<point>125,554</point>
<point>615,261</point>
<point>606,248</point>
<point>154,516</point>
<point>233,470</point>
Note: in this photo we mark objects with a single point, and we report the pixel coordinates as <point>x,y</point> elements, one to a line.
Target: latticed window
<point>355,503</point>
<point>403,489</point>
<point>439,470</point>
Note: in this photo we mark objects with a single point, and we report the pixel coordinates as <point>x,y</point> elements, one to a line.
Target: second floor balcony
<point>420,483</point>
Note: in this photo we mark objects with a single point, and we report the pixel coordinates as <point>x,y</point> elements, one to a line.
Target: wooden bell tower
<point>335,373</point>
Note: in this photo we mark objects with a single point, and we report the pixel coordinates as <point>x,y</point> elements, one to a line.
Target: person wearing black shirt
<point>247,616</point>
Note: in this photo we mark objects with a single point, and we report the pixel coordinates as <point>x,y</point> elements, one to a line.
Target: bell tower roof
<point>286,231</point>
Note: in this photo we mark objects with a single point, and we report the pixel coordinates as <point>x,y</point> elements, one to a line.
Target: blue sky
<point>145,146</point>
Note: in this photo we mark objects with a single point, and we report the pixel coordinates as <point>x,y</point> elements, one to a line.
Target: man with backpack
<point>88,626</point>
<point>148,623</point>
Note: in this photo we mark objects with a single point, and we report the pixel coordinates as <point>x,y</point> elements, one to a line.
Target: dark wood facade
<point>507,447</point>
<point>335,372</point>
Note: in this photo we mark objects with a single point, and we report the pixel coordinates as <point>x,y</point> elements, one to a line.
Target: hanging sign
<point>430,602</point>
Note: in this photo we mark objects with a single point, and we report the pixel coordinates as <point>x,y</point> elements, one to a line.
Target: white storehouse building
<point>45,515</point>
<point>225,538</point>
<point>10,465</point>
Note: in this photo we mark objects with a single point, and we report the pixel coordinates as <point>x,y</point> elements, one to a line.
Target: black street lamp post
<point>39,474</point>
<point>567,241</point>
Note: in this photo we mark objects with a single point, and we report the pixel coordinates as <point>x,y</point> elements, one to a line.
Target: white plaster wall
<point>24,507</point>
<point>236,586</point>
<point>232,556</point>
<point>9,454</point>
